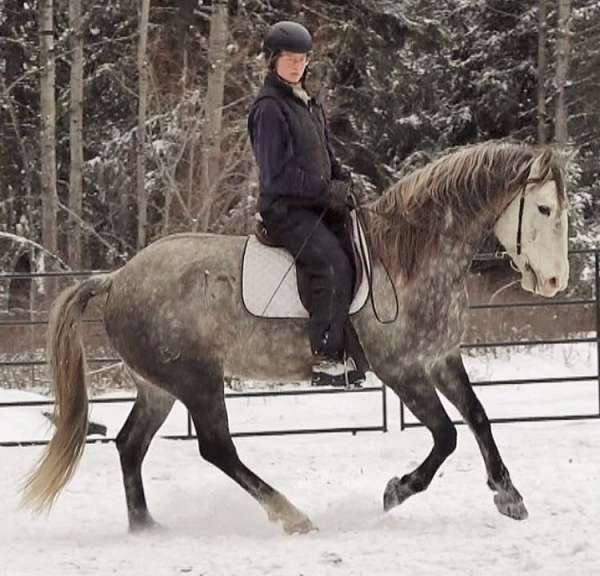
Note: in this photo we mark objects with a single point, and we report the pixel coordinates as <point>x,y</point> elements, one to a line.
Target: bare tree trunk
<point>76,136</point>
<point>217,57</point>
<point>562,70</point>
<point>185,19</point>
<point>191,157</point>
<point>17,173</point>
<point>26,160</point>
<point>541,73</point>
<point>190,175</point>
<point>142,65</point>
<point>48,127</point>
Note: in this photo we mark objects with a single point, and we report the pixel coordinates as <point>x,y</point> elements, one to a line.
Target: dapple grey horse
<point>174,314</point>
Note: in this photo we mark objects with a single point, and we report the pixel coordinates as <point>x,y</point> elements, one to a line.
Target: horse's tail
<point>66,356</point>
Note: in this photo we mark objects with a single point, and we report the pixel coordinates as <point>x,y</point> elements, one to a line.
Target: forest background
<point>121,122</point>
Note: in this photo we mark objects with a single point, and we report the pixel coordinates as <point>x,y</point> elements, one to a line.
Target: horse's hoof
<point>396,492</point>
<point>511,507</point>
<point>300,525</point>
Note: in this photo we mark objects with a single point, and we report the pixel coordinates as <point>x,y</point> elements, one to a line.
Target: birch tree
<point>142,66</point>
<point>76,136</point>
<point>48,126</point>
<point>562,69</point>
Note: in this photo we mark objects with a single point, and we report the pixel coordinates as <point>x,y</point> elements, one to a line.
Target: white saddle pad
<point>269,283</point>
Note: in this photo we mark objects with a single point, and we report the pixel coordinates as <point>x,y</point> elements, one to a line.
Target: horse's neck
<point>449,263</point>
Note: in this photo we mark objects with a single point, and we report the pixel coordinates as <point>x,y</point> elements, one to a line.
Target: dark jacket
<point>291,145</point>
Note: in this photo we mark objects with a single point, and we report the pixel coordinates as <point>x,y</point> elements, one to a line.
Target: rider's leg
<point>320,257</point>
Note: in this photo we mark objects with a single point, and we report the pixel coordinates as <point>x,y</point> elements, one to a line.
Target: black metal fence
<point>382,420</point>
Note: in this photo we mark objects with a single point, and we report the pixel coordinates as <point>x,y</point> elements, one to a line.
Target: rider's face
<point>291,66</point>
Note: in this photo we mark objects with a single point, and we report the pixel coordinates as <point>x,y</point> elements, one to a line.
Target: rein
<point>365,254</point>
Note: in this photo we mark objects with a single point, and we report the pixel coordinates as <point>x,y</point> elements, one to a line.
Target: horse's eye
<point>545,210</point>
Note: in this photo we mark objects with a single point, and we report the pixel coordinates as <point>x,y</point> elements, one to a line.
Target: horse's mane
<point>466,187</point>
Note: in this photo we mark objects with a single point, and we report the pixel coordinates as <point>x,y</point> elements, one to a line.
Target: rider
<point>304,197</point>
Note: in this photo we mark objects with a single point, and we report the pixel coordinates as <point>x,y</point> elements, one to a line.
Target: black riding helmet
<point>287,36</point>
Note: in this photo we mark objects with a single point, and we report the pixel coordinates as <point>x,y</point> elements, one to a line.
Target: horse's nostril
<point>553,282</point>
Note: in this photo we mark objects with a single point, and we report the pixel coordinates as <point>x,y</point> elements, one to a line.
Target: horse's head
<point>534,229</point>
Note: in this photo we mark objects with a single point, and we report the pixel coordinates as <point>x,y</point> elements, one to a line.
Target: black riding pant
<point>320,242</point>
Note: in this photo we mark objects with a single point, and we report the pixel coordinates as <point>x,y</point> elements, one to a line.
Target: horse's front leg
<point>452,380</point>
<point>419,395</point>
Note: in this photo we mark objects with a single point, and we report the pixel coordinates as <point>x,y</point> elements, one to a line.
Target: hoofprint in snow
<point>213,528</point>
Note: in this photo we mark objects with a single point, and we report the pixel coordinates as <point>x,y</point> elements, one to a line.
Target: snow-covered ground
<point>212,528</point>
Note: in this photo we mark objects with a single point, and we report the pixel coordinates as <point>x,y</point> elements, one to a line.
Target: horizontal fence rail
<point>382,424</point>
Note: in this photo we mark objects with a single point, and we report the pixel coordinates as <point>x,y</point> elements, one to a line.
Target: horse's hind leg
<point>453,382</point>
<point>420,397</point>
<point>206,404</point>
<point>151,408</point>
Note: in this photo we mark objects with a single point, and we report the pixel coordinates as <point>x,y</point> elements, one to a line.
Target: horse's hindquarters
<point>179,302</point>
